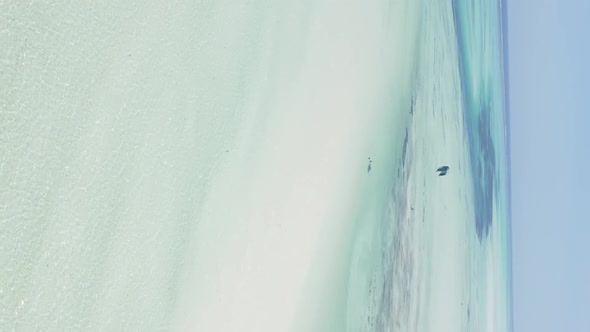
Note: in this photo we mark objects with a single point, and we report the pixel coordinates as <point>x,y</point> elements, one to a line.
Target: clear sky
<point>549,52</point>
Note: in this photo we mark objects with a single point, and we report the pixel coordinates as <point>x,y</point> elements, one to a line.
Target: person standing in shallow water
<point>369,167</point>
<point>443,170</point>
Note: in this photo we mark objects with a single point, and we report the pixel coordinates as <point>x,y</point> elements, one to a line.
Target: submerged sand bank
<point>273,245</point>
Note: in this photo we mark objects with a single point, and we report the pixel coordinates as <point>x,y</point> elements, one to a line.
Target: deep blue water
<point>481,30</point>
<point>479,40</point>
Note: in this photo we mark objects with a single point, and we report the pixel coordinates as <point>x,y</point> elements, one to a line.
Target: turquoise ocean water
<point>482,40</point>
<point>459,86</point>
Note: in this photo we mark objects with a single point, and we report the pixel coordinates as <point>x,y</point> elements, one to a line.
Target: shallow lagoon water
<point>203,166</point>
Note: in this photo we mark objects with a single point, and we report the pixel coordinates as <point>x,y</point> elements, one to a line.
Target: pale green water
<point>113,117</point>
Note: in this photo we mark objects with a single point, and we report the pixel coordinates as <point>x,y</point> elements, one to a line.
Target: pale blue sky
<point>549,51</point>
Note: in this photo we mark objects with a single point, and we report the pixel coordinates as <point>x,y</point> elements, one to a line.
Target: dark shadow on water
<point>477,115</point>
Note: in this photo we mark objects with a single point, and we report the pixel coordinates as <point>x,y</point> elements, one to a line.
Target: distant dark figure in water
<point>369,167</point>
<point>443,170</point>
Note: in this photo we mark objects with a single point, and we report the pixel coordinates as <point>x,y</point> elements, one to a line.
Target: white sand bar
<point>273,244</point>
